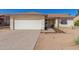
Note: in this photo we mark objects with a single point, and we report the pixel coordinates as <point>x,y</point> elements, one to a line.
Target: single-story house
<point>34,20</point>
<point>61,20</point>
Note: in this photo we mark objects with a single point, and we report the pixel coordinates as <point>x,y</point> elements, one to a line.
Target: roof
<point>30,13</point>
<point>25,13</point>
<point>76,18</point>
<point>59,15</point>
<point>37,13</point>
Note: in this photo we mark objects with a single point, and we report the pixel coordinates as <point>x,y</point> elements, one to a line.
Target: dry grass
<point>58,41</point>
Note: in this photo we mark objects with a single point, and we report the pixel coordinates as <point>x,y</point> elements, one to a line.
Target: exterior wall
<point>43,24</point>
<point>29,21</point>
<point>70,23</point>
<point>11,23</point>
<point>56,23</point>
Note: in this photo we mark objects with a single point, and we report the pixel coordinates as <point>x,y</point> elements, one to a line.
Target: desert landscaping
<point>58,41</point>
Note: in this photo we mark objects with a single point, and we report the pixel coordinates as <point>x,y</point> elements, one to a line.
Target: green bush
<point>76,40</point>
<point>76,23</point>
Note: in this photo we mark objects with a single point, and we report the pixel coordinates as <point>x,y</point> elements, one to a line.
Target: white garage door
<point>29,24</point>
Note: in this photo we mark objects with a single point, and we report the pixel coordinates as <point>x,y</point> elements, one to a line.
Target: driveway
<point>18,40</point>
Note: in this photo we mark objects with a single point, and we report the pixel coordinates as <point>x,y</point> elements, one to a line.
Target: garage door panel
<point>29,24</point>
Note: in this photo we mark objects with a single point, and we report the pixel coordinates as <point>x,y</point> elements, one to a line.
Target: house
<point>61,20</point>
<point>76,18</point>
<point>37,21</point>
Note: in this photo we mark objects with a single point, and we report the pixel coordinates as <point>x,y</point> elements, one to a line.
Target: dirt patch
<point>58,41</point>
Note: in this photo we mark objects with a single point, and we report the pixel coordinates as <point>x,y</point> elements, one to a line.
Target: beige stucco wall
<point>56,23</point>
<point>70,23</point>
<point>11,23</point>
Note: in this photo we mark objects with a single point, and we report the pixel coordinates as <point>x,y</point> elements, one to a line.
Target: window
<point>63,21</point>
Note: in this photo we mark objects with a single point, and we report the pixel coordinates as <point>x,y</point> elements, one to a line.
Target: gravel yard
<point>58,41</point>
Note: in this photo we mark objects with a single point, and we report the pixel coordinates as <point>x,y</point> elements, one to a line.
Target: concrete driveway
<point>18,40</point>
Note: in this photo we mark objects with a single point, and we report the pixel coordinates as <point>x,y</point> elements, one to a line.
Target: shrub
<point>76,23</point>
<point>76,40</point>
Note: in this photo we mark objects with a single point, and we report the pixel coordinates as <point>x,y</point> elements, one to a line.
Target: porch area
<point>54,24</point>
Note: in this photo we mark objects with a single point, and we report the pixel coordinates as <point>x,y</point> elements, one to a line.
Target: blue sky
<point>72,12</point>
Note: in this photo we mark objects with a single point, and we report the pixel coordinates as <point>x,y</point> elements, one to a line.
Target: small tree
<point>76,23</point>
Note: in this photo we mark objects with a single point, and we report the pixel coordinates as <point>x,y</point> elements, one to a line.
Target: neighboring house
<point>76,18</point>
<point>4,20</point>
<point>34,20</point>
